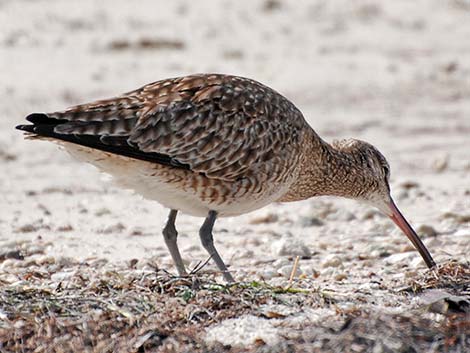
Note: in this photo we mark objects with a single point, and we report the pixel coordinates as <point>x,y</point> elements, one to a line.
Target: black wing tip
<point>39,118</point>
<point>28,128</point>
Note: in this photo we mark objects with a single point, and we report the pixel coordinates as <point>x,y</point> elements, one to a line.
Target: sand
<point>395,74</point>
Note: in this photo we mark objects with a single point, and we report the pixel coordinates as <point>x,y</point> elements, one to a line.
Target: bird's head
<point>370,173</point>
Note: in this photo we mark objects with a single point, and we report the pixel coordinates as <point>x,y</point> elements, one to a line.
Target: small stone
<point>269,218</point>
<point>371,214</point>
<point>404,257</point>
<point>133,263</point>
<point>327,272</point>
<point>102,211</point>
<point>268,274</point>
<point>246,254</point>
<point>310,222</point>
<point>287,270</point>
<point>332,261</point>
<point>44,260</point>
<point>402,195</point>
<point>408,184</point>
<point>65,261</point>
<point>311,272</point>
<point>455,217</point>
<point>27,228</point>
<point>291,247</point>
<point>3,315</point>
<point>426,230</point>
<point>19,324</point>
<point>115,228</point>
<point>280,263</point>
<point>11,254</point>
<point>340,276</point>
<point>462,233</point>
<point>65,228</point>
<point>440,163</point>
<point>137,231</point>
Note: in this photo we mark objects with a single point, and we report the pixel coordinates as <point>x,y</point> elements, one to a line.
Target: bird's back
<point>220,127</point>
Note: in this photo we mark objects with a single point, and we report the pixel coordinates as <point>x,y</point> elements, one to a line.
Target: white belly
<point>140,176</point>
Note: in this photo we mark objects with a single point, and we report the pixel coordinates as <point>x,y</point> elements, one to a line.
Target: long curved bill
<point>401,222</point>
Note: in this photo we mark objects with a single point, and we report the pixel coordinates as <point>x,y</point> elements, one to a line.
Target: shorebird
<point>214,145</point>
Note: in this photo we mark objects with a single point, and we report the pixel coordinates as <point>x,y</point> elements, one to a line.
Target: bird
<point>217,145</point>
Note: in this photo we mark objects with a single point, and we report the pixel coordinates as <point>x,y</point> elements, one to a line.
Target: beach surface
<point>395,74</point>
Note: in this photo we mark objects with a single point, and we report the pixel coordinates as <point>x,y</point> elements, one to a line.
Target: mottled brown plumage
<point>221,145</point>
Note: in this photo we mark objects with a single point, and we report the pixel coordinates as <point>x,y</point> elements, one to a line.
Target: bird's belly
<point>174,188</point>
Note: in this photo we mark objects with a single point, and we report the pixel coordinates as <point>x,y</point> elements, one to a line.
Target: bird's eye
<point>386,171</point>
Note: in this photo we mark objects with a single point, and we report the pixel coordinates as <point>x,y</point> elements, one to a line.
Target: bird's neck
<point>325,170</point>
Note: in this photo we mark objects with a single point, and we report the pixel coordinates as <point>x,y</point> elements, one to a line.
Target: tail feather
<point>43,118</point>
<point>45,126</point>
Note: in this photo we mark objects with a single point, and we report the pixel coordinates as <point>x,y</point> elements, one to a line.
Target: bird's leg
<point>205,233</point>
<point>170,235</point>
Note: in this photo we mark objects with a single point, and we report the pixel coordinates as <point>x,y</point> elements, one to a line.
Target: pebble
<point>65,228</point>
<point>440,163</point>
<point>371,214</point>
<point>462,233</point>
<point>402,195</point>
<point>328,272</point>
<point>340,276</point>
<point>102,211</point>
<point>269,218</point>
<point>408,184</point>
<point>3,315</point>
<point>39,260</point>
<point>311,271</point>
<point>310,222</point>
<point>138,231</point>
<point>19,324</point>
<point>280,263</point>
<point>459,218</point>
<point>11,254</point>
<point>291,247</point>
<point>287,270</point>
<point>332,260</point>
<point>426,230</point>
<point>115,228</point>
<point>268,274</point>
<point>246,254</point>
<point>381,250</point>
<point>34,249</point>
<point>404,257</point>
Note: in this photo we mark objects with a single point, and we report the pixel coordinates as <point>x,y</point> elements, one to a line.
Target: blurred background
<point>394,73</point>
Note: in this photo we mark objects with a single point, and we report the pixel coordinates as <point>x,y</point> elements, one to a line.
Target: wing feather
<point>218,125</point>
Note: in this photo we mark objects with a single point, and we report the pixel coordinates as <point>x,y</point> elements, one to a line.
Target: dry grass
<point>453,276</point>
<point>126,310</point>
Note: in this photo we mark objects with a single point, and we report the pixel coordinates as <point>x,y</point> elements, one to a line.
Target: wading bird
<point>214,145</point>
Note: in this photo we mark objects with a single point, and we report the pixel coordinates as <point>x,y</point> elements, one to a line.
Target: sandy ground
<point>396,74</point>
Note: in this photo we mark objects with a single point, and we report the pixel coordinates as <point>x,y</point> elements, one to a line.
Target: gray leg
<point>170,235</point>
<point>205,233</point>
